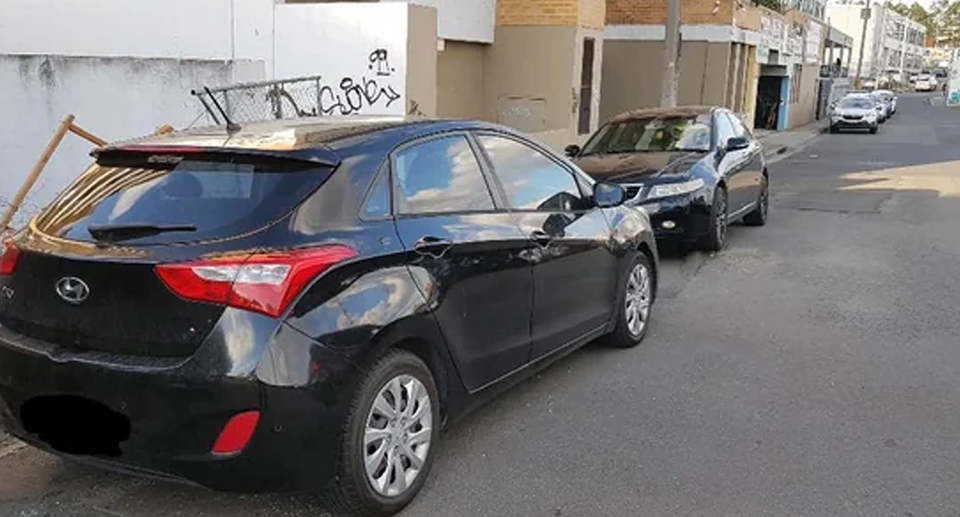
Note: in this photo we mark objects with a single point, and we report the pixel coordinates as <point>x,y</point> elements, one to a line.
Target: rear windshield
<point>197,199</point>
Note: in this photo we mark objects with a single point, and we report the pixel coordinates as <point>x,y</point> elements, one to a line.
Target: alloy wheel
<point>397,435</point>
<point>721,227</point>
<point>765,200</point>
<point>637,299</point>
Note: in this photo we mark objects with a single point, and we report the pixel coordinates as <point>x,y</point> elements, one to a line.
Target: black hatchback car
<point>302,305</point>
<point>694,169</point>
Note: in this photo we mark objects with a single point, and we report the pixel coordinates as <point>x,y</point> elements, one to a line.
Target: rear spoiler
<point>318,155</point>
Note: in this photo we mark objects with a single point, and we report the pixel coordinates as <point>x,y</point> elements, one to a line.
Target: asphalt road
<point>810,369</point>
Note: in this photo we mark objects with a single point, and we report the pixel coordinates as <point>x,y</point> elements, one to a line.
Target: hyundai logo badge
<point>73,290</point>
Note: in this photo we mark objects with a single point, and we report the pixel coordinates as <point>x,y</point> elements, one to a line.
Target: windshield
<point>859,104</point>
<point>652,134</point>
<point>186,201</point>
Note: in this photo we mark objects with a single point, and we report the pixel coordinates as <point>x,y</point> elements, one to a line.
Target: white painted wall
<point>124,67</point>
<point>349,45</point>
<point>193,29</point>
<point>465,20</point>
<point>114,98</point>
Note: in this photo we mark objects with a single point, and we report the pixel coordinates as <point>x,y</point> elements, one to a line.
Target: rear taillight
<point>237,433</point>
<point>265,283</point>
<point>8,259</point>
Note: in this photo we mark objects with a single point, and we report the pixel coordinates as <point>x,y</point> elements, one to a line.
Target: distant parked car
<point>926,83</point>
<point>855,111</point>
<point>889,100</point>
<point>694,169</point>
<point>302,305</point>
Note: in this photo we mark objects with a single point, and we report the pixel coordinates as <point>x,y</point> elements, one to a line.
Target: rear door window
<point>440,176</point>
<point>202,199</point>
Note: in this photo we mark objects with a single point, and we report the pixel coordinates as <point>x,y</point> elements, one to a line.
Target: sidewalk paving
<point>781,142</point>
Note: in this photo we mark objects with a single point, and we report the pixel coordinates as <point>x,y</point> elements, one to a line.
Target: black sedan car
<point>693,169</point>
<point>302,305</point>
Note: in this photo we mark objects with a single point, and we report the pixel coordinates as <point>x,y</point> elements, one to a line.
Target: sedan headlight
<point>674,189</point>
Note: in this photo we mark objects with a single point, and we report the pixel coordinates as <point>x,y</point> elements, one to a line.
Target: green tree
<point>948,21</point>
<point>901,9</point>
<point>775,5</point>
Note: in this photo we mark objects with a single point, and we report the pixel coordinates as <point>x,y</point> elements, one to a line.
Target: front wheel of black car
<point>758,217</point>
<point>717,234</point>
<point>633,315</point>
<point>389,438</point>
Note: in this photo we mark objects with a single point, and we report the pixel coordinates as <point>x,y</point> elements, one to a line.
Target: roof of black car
<point>680,111</point>
<point>288,134</point>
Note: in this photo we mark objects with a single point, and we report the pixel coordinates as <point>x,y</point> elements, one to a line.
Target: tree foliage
<point>942,20</point>
<point>775,5</point>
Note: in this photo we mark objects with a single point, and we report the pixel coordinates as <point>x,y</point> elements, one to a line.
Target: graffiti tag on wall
<point>352,94</point>
<point>344,95</point>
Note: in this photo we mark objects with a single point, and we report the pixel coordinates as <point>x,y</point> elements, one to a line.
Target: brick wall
<point>559,13</point>
<point>593,13</point>
<point>538,12</point>
<point>654,12</point>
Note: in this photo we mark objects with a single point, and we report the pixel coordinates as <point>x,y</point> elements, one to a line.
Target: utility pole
<point>903,50</point>
<point>865,15</point>
<point>668,93</point>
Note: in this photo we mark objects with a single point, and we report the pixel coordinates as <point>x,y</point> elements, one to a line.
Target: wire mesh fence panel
<point>294,98</point>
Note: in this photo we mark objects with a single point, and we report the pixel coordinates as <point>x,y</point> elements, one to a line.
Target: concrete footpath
<point>780,143</point>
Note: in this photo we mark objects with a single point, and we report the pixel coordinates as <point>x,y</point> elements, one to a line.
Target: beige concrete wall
<point>527,77</point>
<point>422,61</point>
<point>750,93</point>
<point>460,80</point>
<point>631,75</point>
<point>804,110</point>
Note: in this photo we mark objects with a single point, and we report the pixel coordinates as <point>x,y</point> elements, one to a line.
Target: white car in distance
<point>925,83</point>
<point>855,111</point>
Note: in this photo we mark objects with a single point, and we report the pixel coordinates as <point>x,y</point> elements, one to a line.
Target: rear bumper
<point>173,414</point>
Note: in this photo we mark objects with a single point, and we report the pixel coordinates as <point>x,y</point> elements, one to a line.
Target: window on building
<point>795,84</point>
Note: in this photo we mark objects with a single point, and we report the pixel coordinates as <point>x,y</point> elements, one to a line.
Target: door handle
<point>541,237</point>
<point>433,246</point>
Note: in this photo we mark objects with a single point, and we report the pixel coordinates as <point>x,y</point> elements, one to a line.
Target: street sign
<point>865,13</point>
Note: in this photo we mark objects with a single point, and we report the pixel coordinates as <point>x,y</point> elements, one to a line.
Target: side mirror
<point>737,143</point>
<point>607,195</point>
<point>572,150</point>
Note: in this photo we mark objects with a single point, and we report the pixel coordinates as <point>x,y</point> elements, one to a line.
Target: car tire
<point>354,492</point>
<point>717,234</point>
<point>758,217</point>
<point>873,130</point>
<point>635,305</point>
<point>834,130</point>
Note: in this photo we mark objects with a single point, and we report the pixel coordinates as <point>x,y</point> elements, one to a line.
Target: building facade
<point>894,44</point>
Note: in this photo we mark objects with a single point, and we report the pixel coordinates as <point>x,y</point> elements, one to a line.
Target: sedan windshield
<point>652,134</point>
<point>857,104</point>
